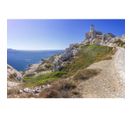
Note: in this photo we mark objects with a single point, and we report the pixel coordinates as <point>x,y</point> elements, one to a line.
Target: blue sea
<point>20,60</point>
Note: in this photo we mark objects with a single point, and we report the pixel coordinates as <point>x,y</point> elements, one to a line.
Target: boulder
<point>20,91</point>
<point>37,89</point>
<point>27,90</point>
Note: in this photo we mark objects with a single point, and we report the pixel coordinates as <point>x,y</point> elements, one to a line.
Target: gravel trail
<point>109,83</point>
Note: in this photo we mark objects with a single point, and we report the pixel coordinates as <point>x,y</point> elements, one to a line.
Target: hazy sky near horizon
<point>55,34</point>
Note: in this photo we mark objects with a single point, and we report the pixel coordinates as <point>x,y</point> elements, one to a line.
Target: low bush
<point>60,89</point>
<point>50,93</point>
<point>86,74</point>
<point>120,43</point>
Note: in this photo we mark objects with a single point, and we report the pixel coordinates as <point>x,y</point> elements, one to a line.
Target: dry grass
<point>86,74</point>
<point>60,89</point>
<point>12,93</point>
<point>120,43</point>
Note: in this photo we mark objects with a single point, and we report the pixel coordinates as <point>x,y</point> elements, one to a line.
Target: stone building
<point>92,34</point>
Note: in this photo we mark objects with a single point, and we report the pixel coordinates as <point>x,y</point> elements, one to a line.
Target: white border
<point>84,108</point>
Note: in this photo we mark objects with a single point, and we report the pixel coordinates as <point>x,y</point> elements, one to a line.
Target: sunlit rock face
<point>13,74</point>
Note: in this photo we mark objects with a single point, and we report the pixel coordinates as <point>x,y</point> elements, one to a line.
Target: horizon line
<point>33,50</point>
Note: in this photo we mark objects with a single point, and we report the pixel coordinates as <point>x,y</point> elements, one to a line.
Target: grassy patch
<point>42,79</point>
<point>88,55</point>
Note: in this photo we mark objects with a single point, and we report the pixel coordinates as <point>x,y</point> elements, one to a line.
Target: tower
<point>92,29</point>
<point>92,32</point>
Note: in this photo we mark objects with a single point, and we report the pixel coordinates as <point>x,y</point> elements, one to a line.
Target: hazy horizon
<point>34,50</point>
<point>56,34</point>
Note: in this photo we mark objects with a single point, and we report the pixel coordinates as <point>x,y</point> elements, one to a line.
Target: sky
<point>56,34</point>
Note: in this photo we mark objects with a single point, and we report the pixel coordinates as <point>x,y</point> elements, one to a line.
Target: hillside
<point>93,68</point>
<point>109,81</point>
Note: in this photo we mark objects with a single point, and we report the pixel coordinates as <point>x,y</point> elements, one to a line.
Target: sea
<point>20,60</point>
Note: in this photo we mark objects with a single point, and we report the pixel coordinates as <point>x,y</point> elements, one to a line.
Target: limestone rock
<point>27,90</point>
<point>31,70</point>
<point>61,60</point>
<point>13,74</point>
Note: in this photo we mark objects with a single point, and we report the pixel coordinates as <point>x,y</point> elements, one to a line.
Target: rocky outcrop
<point>61,60</point>
<point>31,70</point>
<point>13,79</point>
<point>13,74</point>
<point>35,90</point>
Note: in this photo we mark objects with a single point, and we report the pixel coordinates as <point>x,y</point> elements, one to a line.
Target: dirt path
<point>109,83</point>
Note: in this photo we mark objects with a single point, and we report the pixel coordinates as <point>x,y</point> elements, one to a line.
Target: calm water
<point>20,60</point>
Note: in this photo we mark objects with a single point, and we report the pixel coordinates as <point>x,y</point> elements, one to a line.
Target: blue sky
<point>55,34</point>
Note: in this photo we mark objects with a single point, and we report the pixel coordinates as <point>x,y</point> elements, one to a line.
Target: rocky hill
<point>67,74</point>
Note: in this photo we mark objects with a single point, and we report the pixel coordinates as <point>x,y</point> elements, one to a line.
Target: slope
<point>109,82</point>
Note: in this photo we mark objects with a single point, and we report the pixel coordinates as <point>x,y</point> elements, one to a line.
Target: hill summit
<point>107,39</point>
